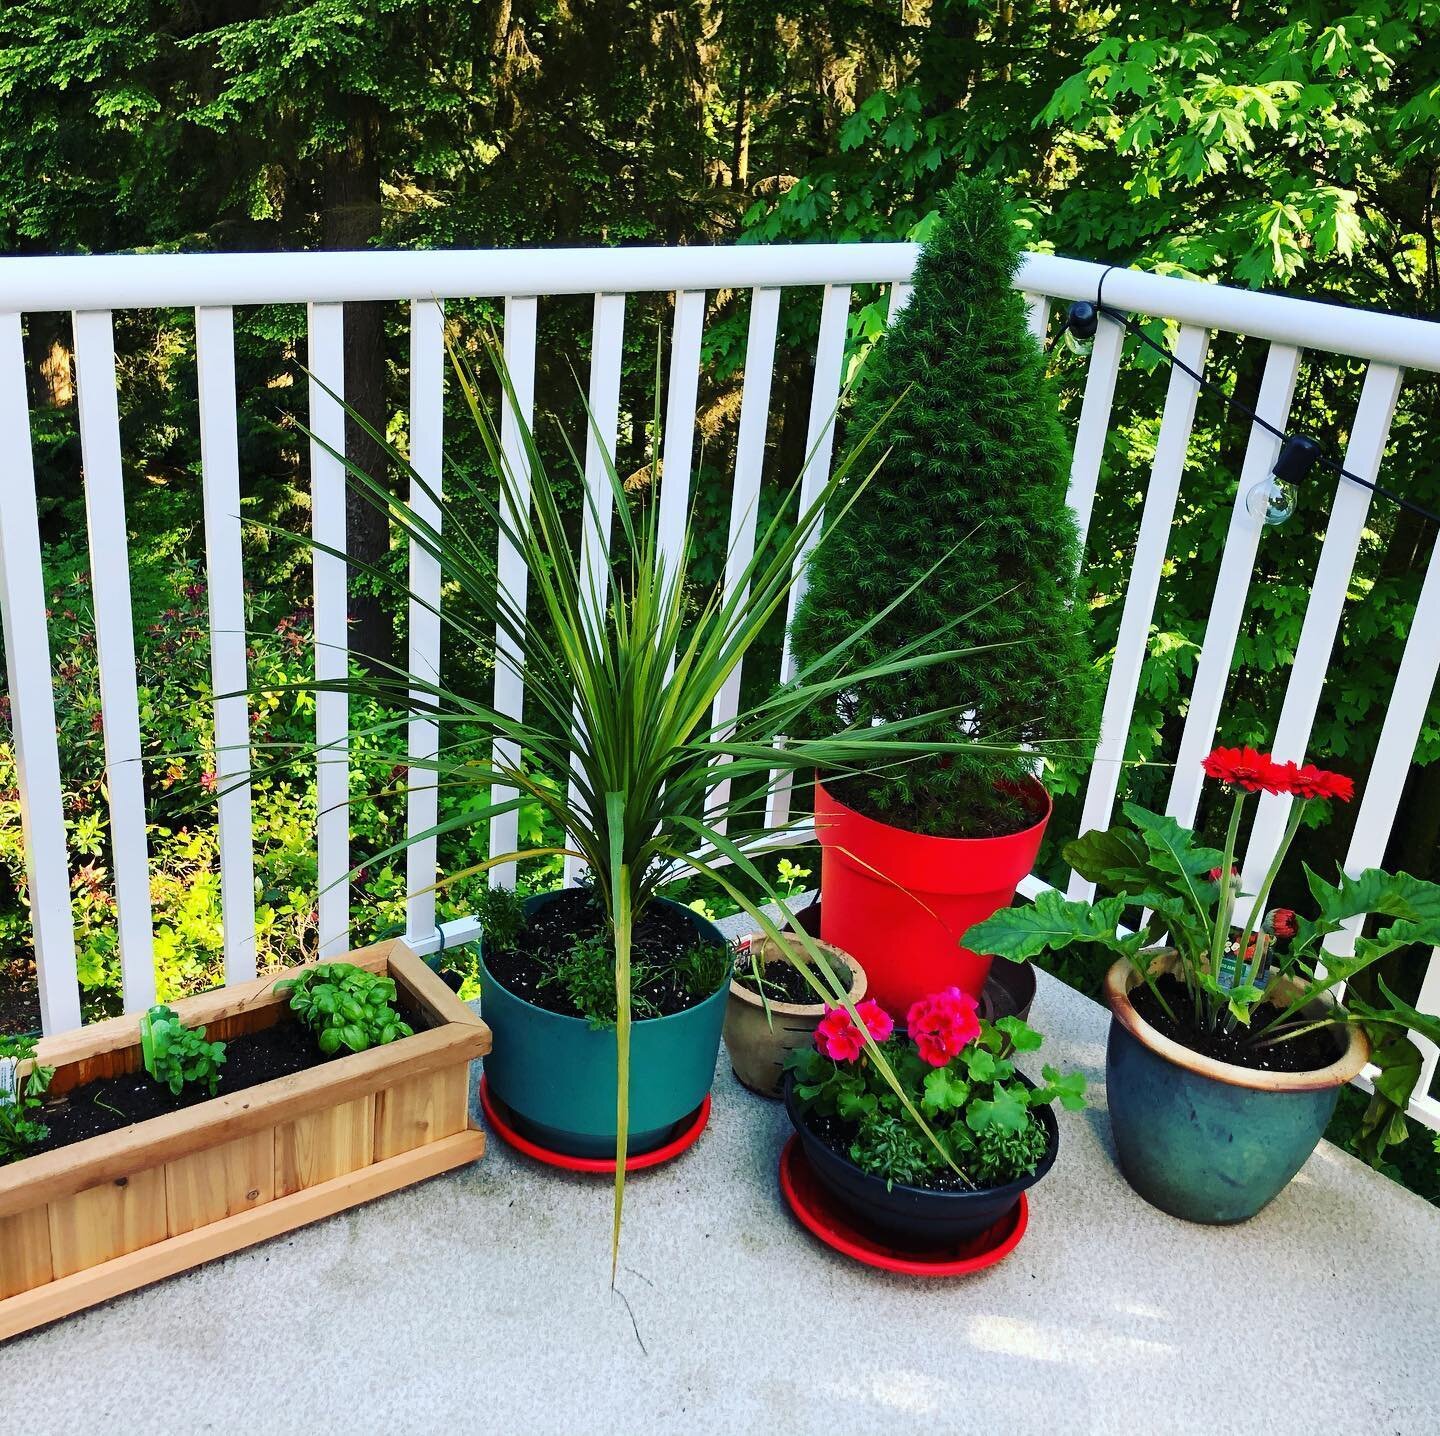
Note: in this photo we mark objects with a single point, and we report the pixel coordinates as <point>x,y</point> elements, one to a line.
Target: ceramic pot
<point>1203,1139</point>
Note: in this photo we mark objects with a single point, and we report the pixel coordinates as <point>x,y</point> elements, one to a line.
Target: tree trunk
<point>352,221</point>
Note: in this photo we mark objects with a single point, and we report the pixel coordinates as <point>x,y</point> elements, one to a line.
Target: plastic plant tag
<point>9,1082</point>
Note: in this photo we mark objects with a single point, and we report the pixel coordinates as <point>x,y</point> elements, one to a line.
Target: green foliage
<point>1157,866</point>
<point>345,1006</point>
<point>971,524</point>
<point>177,1056</point>
<point>980,1111</point>
<point>19,1100</point>
<point>586,975</point>
<point>500,912</point>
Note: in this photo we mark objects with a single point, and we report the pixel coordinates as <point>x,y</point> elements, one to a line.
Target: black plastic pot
<point>913,1218</point>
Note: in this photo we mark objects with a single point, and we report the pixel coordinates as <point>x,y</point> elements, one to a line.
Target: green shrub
<point>974,482</point>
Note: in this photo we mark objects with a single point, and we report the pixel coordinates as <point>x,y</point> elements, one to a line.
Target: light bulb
<point>1080,325</point>
<point>1272,501</point>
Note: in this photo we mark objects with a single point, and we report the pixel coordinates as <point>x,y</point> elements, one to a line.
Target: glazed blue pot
<point>556,1075</point>
<point>1205,1140</point>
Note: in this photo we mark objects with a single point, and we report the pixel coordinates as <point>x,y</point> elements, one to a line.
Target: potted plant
<point>1230,1042</point>
<point>132,1150</point>
<point>914,853</point>
<point>616,745</point>
<point>992,1133</point>
<point>773,1009</point>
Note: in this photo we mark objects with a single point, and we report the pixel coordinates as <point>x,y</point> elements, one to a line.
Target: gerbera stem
<point>1226,905</point>
<point>1292,826</point>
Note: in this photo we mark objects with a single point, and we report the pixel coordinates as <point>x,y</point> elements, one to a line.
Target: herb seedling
<point>176,1055</point>
<point>19,1131</point>
<point>345,1006</point>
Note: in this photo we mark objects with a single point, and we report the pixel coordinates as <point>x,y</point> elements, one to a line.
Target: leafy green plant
<point>500,911</point>
<point>957,1069</point>
<point>977,469</point>
<point>178,1056</point>
<point>1252,975</point>
<point>20,1098</point>
<point>619,689</point>
<point>345,1006</point>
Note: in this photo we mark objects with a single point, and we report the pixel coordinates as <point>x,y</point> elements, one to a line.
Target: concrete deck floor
<point>480,1300</point>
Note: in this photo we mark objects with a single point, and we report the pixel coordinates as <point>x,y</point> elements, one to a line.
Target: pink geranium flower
<point>942,1023</point>
<point>838,1037</point>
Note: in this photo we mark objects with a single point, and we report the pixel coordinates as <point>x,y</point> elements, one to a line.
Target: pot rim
<point>880,828</point>
<point>1122,978</point>
<point>1015,1187</point>
<point>580,1021</point>
<point>859,983</point>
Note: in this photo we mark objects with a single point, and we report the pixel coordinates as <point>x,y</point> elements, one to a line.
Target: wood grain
<point>324,1145</point>
<point>420,1110</point>
<point>208,1186</point>
<point>107,1221</point>
<point>24,1251</point>
<point>73,1293</point>
<point>425,989</point>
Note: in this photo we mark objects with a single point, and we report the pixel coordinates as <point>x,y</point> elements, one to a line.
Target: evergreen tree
<point>977,464</point>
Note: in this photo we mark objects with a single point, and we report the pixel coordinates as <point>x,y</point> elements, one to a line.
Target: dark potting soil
<point>110,1103</point>
<point>660,937</point>
<point>999,816</point>
<point>1315,1049</point>
<point>779,981</point>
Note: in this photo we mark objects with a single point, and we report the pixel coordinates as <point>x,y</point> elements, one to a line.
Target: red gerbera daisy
<point>1244,768</point>
<point>1312,782</point>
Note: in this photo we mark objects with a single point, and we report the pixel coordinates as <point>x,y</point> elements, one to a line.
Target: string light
<point>1273,499</point>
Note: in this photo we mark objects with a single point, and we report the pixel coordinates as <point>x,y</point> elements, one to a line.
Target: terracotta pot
<point>901,901</point>
<point>1207,1140</point>
<point>758,1045</point>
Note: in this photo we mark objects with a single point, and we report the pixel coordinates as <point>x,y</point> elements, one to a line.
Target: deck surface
<point>480,1300</point>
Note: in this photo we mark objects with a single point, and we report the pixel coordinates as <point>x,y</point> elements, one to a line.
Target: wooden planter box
<point>107,1215</point>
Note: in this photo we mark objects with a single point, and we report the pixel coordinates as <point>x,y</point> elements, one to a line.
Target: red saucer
<point>689,1134</point>
<point>817,1211</point>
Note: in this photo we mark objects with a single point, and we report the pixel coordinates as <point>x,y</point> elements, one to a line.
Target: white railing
<point>93,287</point>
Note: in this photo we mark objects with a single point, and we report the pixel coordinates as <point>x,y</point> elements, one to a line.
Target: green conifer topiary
<point>977,458</point>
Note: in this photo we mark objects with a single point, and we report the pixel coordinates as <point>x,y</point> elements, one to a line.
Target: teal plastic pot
<point>1205,1140</point>
<point>556,1074</point>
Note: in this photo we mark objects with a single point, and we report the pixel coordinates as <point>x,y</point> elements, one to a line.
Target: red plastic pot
<point>900,901</point>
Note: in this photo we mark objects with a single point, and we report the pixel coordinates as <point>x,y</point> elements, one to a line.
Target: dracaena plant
<point>617,743</point>
<point>1257,975</point>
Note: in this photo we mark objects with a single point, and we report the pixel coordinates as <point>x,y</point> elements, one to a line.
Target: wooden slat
<point>512,576</point>
<point>428,993</point>
<point>745,494</point>
<point>427,416</point>
<point>115,649</point>
<point>420,1110</point>
<point>606,360</point>
<point>682,388</point>
<point>211,1185</point>
<point>1094,422</point>
<point>819,442</point>
<point>176,1254</point>
<point>286,1099</point>
<point>32,700</point>
<point>332,641</point>
<point>1327,601</point>
<point>107,1221</point>
<point>225,587</point>
<point>1232,586</point>
<point>1143,588</point>
<point>324,1145</point>
<point>24,1251</point>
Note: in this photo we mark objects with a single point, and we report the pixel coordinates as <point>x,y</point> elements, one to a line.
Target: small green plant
<point>19,1130</point>
<point>791,876</point>
<point>345,1006</point>
<point>501,915</point>
<point>703,966</point>
<point>176,1055</point>
<point>956,1068</point>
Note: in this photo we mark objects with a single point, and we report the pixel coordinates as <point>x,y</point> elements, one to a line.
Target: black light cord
<point>1082,318</point>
